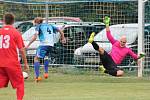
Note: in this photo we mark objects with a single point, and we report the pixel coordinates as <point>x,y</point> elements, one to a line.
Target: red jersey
<point>10,40</point>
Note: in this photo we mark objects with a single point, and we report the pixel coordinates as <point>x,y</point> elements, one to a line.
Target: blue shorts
<point>43,51</point>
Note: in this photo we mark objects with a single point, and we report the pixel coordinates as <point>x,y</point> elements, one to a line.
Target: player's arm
<point>141,55</point>
<point>32,39</point>
<point>63,39</point>
<point>20,45</point>
<point>135,56</point>
<point>107,22</point>
<point>37,29</point>
<point>23,54</point>
<point>108,33</point>
<point>132,54</point>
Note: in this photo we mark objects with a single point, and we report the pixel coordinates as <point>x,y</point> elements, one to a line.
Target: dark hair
<point>9,18</point>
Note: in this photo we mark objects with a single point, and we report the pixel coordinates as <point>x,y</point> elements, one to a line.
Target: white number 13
<point>4,41</point>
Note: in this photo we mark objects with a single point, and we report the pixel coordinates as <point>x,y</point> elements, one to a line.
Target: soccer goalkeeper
<point>116,55</point>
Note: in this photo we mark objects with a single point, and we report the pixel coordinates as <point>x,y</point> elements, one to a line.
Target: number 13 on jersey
<point>4,41</point>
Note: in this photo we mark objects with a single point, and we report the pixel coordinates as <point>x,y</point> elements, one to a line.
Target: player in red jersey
<point>10,69</point>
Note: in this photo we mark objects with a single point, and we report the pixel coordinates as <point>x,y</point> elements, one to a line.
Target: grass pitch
<point>65,86</point>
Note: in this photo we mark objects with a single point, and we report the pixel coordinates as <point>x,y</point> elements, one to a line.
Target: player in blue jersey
<point>46,33</point>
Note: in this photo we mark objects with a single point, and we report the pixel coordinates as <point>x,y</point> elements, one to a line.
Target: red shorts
<point>12,74</point>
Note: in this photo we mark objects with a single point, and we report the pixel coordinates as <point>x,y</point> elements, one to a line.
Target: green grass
<point>62,85</point>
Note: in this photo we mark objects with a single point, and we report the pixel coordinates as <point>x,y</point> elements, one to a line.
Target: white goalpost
<point>141,11</point>
<point>79,18</point>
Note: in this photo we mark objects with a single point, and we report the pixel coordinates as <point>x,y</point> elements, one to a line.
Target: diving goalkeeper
<point>118,52</point>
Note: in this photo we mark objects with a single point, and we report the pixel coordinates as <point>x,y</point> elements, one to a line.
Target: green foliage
<point>20,11</point>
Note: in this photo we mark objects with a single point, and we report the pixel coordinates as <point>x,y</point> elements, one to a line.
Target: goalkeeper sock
<point>46,62</point>
<point>36,69</point>
<point>95,45</point>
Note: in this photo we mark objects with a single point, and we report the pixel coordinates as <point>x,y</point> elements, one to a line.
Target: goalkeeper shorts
<point>109,64</point>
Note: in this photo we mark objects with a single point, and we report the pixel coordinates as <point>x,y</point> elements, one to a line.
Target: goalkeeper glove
<point>142,54</point>
<point>107,20</point>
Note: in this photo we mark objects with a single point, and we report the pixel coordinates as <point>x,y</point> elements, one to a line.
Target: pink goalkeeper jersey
<point>117,52</point>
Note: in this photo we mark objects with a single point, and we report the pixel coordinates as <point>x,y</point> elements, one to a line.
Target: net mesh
<point>89,16</point>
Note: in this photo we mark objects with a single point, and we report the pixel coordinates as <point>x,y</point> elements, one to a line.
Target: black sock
<point>95,45</point>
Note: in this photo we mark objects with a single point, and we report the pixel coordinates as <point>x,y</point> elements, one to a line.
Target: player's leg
<point>102,69</point>
<point>120,73</point>
<point>48,54</point>
<point>20,92</point>
<point>110,66</point>
<point>3,78</point>
<point>91,39</point>
<point>115,72</point>
<point>37,64</point>
<point>95,45</point>
<point>46,63</point>
<point>107,61</point>
<point>16,79</point>
<point>37,68</point>
<point>42,52</point>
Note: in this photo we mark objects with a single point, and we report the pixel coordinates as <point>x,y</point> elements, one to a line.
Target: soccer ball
<point>25,75</point>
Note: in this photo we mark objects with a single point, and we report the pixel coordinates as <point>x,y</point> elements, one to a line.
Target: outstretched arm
<point>107,28</point>
<point>108,33</point>
<point>32,40</point>
<point>136,57</point>
<point>63,39</point>
<point>133,55</point>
